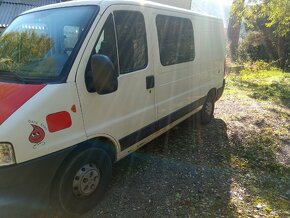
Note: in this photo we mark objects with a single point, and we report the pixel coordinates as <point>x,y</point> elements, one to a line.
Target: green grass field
<point>264,142</point>
<point>271,85</point>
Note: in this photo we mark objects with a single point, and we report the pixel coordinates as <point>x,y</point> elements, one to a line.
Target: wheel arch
<point>212,92</point>
<point>102,142</point>
<point>105,143</point>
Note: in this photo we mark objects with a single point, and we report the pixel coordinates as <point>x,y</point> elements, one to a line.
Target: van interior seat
<point>108,50</point>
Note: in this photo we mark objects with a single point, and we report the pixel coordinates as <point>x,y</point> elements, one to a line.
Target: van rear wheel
<point>208,109</point>
<point>82,181</point>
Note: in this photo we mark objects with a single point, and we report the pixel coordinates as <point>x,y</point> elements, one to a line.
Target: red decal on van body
<point>37,134</point>
<point>73,108</point>
<point>58,121</point>
<point>13,96</point>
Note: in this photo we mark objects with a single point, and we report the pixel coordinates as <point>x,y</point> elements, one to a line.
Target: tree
<point>234,27</point>
<point>20,48</point>
<point>276,14</point>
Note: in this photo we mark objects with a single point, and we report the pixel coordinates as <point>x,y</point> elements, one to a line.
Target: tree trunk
<point>234,27</point>
<point>281,50</point>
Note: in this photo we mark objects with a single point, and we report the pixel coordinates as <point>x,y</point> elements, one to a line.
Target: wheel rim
<point>209,108</point>
<point>86,180</point>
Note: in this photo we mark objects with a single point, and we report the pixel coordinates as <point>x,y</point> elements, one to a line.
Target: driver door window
<point>106,43</point>
<point>129,26</point>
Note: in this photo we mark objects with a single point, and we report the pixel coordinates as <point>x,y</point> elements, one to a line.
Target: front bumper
<point>28,185</point>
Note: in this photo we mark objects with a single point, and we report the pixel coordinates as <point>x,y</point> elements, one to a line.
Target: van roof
<point>105,3</point>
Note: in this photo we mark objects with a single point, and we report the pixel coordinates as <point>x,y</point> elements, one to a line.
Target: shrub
<point>257,66</point>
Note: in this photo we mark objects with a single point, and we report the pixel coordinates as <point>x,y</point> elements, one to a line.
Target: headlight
<point>6,154</point>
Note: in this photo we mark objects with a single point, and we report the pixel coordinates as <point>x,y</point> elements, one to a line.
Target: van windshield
<point>41,46</point>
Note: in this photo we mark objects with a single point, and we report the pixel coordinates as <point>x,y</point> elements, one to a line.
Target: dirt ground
<point>224,169</point>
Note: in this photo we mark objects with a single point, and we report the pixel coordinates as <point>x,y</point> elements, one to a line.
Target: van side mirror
<point>103,78</point>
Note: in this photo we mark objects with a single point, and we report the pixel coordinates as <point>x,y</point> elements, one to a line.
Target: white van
<point>85,83</point>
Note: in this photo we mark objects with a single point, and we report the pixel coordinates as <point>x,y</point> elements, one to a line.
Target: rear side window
<point>131,40</point>
<point>176,40</point>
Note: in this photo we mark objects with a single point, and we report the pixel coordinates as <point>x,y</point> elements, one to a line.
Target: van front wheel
<point>83,181</point>
<point>208,109</point>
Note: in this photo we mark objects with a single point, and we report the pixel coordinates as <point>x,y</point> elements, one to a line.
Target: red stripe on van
<point>13,96</point>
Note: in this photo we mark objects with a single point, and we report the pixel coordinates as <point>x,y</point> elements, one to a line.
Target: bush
<point>257,46</point>
<point>257,66</point>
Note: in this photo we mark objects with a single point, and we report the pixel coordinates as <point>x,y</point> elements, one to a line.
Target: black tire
<point>69,199</point>
<point>208,109</point>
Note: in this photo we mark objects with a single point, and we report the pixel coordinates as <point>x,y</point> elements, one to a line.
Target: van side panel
<point>134,115</point>
<point>176,85</point>
<point>210,53</point>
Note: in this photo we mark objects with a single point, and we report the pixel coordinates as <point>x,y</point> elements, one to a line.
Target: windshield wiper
<point>10,75</point>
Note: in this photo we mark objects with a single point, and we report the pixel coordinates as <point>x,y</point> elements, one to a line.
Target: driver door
<point>123,114</point>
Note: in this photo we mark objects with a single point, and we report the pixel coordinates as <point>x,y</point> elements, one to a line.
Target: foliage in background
<point>252,68</point>
<point>268,31</point>
<point>256,46</point>
<point>30,46</point>
<point>277,13</point>
<point>234,27</point>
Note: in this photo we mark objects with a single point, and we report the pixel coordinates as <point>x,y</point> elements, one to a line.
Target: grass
<point>264,178</point>
<point>262,85</point>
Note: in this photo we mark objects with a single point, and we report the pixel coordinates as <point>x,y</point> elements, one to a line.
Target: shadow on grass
<point>266,180</point>
<point>276,91</point>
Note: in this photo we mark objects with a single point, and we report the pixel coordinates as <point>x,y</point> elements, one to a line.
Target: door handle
<point>150,82</point>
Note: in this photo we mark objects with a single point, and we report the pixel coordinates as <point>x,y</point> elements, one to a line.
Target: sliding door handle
<point>150,82</point>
